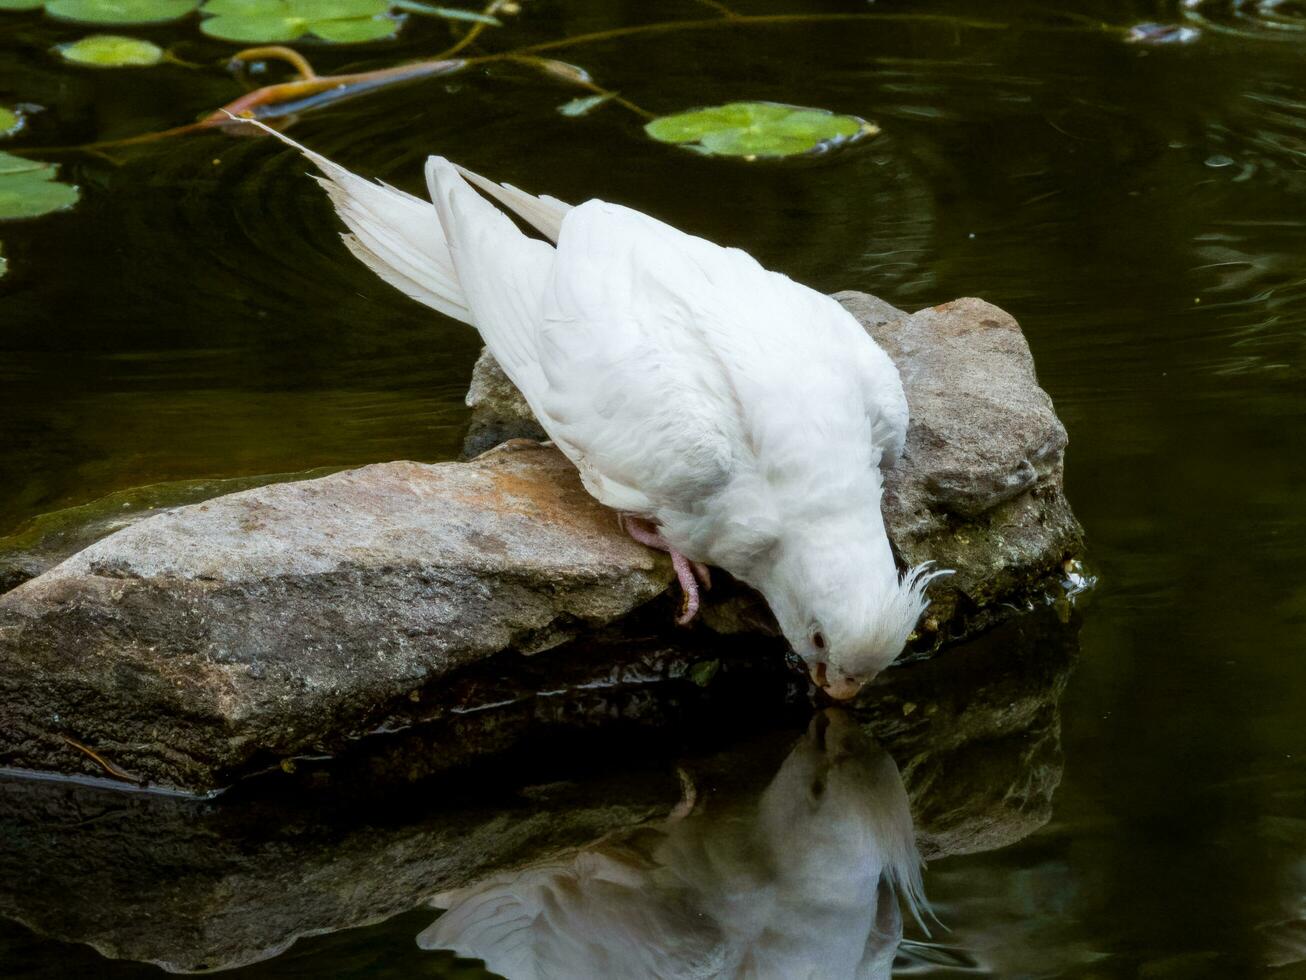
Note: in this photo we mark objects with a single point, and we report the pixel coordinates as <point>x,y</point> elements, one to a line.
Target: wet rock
<point>218,639</point>
<point>317,847</point>
<point>43,542</point>
<point>188,647</point>
<point>499,412</point>
<point>978,490</point>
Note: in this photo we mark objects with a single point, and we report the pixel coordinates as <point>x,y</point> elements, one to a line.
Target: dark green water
<point>1140,209</point>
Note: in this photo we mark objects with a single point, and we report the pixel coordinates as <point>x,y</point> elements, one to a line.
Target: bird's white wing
<point>673,366</point>
<point>591,915</point>
<point>635,393</point>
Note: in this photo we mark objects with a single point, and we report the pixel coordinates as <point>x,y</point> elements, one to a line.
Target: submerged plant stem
<point>103,763</point>
<point>588,84</point>
<point>278,52</point>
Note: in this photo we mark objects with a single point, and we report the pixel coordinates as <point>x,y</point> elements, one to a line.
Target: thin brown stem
<point>279,52</point>
<point>104,764</point>
<point>578,77</point>
<point>476,31</point>
<point>709,23</point>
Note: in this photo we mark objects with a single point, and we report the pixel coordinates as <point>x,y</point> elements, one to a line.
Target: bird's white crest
<point>743,414</point>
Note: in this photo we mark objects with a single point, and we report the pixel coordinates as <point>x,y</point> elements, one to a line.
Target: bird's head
<point>845,609</point>
<point>836,817</point>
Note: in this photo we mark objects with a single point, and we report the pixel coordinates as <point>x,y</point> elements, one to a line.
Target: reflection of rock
<point>192,887</point>
<point>349,841</point>
<point>211,640</point>
<point>801,880</point>
<point>979,735</point>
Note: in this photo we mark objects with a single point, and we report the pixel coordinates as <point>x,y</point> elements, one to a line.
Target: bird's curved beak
<point>841,690</point>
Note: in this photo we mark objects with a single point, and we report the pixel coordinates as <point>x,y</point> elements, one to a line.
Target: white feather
<point>542,213</point>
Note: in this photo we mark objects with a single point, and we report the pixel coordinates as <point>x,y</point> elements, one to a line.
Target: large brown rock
<point>190,646</point>
<point>217,639</point>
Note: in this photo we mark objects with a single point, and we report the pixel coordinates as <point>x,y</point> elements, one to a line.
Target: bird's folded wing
<point>587,914</point>
<point>672,364</point>
<point>633,384</point>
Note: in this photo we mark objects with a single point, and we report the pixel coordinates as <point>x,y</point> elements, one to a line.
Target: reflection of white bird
<point>733,416</point>
<point>800,883</point>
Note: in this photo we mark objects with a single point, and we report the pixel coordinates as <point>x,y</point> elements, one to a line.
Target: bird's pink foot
<point>689,573</point>
<point>688,586</point>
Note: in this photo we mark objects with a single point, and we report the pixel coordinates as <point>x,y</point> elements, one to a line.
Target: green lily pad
<point>355,30</point>
<point>12,166</point>
<point>28,188</point>
<point>10,122</point>
<point>758,129</point>
<point>584,104</point>
<point>263,21</point>
<point>21,4</point>
<point>111,51</point>
<point>119,11</point>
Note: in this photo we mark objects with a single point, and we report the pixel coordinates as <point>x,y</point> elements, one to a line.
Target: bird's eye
<point>818,640</point>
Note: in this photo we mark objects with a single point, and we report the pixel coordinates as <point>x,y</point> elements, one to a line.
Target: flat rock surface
<point>269,621</point>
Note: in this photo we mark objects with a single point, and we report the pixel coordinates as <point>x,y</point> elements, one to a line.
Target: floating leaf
<point>11,165</point>
<point>564,70</point>
<point>758,129</point>
<point>355,30</point>
<point>261,21</point>
<point>254,28</point>
<point>578,107</point>
<point>10,121</point>
<point>28,188</point>
<point>119,11</point>
<point>21,4</point>
<point>447,13</point>
<point>111,51</point>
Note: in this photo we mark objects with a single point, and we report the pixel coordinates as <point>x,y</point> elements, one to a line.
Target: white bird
<point>802,882</point>
<point>732,416</point>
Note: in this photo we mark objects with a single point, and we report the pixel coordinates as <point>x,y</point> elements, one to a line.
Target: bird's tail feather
<point>543,213</point>
<point>396,235</point>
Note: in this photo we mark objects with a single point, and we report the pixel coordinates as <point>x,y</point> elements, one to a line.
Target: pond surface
<point>1139,206</point>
